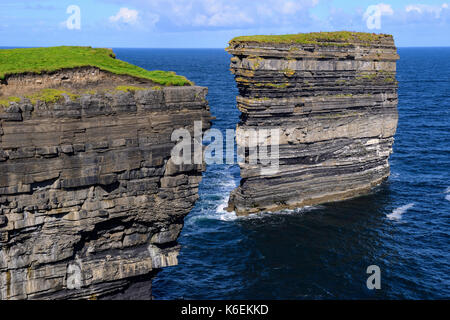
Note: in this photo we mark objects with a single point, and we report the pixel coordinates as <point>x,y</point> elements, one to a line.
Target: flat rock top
<point>51,59</point>
<point>339,38</point>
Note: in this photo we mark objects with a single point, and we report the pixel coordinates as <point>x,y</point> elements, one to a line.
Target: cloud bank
<point>189,14</point>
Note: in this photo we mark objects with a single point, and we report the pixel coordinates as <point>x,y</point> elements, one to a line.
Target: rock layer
<point>90,201</point>
<point>335,104</point>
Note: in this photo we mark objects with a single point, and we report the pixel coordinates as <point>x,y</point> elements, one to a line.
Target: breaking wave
<point>398,213</point>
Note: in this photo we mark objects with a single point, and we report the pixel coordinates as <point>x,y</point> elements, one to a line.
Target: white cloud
<point>385,9</point>
<point>225,13</point>
<point>426,9</point>
<point>223,19</point>
<point>290,7</point>
<point>125,15</point>
<point>220,14</point>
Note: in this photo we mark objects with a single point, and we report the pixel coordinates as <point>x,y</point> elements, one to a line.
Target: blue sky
<point>212,23</point>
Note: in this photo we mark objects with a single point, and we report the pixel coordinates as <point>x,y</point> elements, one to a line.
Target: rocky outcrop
<point>335,103</point>
<point>82,79</point>
<point>90,201</point>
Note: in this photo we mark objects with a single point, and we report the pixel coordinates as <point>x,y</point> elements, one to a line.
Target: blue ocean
<point>322,252</point>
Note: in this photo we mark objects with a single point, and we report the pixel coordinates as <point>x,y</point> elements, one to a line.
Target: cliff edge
<point>90,202</point>
<point>333,96</point>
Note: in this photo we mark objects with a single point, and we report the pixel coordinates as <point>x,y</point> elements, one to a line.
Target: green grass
<point>39,60</point>
<point>342,38</point>
<point>272,85</point>
<point>50,96</point>
<point>5,102</point>
<point>129,88</point>
<point>134,89</point>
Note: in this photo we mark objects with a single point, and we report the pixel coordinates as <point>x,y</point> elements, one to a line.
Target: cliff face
<point>335,103</point>
<point>90,202</point>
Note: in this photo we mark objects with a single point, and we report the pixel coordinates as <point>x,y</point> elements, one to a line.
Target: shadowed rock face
<point>336,108</point>
<point>90,201</point>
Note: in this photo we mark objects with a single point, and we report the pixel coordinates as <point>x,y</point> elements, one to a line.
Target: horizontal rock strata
<point>336,107</point>
<point>90,201</point>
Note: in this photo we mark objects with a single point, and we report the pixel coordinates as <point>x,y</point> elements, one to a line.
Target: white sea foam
<point>222,214</point>
<point>299,210</point>
<point>394,175</point>
<point>447,192</point>
<point>227,185</point>
<point>397,213</point>
<point>228,216</point>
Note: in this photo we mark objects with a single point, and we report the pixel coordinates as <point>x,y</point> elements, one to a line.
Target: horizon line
<point>171,48</point>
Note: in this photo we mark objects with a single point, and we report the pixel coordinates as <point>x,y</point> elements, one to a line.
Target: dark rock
<point>336,108</point>
<point>91,205</point>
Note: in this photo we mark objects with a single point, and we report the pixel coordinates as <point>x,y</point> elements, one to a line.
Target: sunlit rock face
<point>335,103</point>
<point>90,201</point>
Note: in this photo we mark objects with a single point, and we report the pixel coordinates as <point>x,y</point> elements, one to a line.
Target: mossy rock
<point>7,101</point>
<point>129,88</point>
<point>288,72</point>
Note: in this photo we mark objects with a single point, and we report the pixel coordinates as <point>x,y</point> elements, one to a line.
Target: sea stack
<point>333,96</point>
<point>91,204</point>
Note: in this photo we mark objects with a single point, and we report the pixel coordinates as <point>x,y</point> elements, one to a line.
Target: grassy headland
<point>342,38</point>
<point>39,60</point>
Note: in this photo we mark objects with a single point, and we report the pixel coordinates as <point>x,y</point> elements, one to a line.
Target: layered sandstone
<point>335,103</point>
<point>90,201</point>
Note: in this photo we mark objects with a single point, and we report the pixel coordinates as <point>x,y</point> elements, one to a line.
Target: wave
<point>224,215</point>
<point>226,184</point>
<point>447,192</point>
<point>394,175</point>
<point>397,213</point>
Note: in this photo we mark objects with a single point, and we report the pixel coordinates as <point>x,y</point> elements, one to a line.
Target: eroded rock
<point>336,107</point>
<point>87,207</point>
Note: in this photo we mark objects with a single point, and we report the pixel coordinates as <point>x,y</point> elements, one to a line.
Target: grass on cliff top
<point>39,60</point>
<point>340,37</point>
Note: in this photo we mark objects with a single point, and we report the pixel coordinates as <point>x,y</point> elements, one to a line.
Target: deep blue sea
<point>322,252</point>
